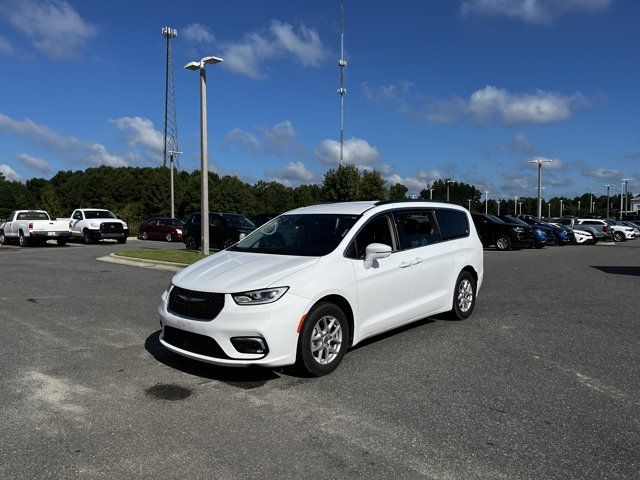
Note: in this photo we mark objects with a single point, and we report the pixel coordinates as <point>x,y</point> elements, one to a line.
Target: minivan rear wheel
<point>464,296</point>
<point>323,340</point>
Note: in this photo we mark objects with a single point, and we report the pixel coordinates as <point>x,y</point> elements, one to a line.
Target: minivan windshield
<point>237,221</point>
<point>311,235</point>
<point>98,214</point>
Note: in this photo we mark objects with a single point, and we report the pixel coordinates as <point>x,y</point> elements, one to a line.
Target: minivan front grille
<point>193,342</point>
<point>193,304</point>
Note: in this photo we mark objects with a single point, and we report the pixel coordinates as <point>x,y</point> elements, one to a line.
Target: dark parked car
<point>262,218</point>
<point>540,238</point>
<point>505,236</point>
<point>225,229</point>
<point>169,229</point>
<point>563,235</point>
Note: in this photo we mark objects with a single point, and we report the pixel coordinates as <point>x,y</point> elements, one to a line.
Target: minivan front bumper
<point>276,323</point>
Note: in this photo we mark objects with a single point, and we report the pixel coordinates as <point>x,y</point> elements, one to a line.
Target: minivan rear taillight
<point>30,225</point>
<point>605,229</point>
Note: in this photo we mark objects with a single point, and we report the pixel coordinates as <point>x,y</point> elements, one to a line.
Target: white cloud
<point>421,180</point>
<point>598,172</point>
<point>141,133</point>
<point>279,41</point>
<point>53,26</point>
<point>69,148</point>
<point>5,46</point>
<point>355,150</point>
<point>486,105</point>
<point>197,33</point>
<point>532,11</point>
<point>294,173</point>
<point>279,139</point>
<point>34,163</point>
<point>9,173</point>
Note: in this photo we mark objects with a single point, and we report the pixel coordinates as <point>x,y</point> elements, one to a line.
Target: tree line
<point>139,192</point>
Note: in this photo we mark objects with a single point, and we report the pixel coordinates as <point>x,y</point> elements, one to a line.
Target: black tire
<point>539,245</point>
<point>87,238</point>
<point>62,242</point>
<point>618,237</point>
<point>169,237</point>
<point>306,362</point>
<point>190,243</point>
<point>3,239</point>
<point>22,240</point>
<point>144,236</point>
<point>122,241</point>
<point>503,243</point>
<point>554,240</point>
<point>458,312</point>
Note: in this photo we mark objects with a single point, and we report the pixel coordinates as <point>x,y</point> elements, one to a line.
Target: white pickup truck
<point>94,224</point>
<point>33,227</point>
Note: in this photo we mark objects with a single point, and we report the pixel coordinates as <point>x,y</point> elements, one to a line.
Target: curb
<point>138,262</point>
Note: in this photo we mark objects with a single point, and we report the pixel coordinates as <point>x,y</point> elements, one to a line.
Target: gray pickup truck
<point>599,228</point>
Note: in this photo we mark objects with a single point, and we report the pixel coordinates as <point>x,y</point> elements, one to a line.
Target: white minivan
<point>314,281</point>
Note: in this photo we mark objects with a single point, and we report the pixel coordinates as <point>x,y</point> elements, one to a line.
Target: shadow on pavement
<point>398,331</point>
<point>633,271</point>
<point>245,378</point>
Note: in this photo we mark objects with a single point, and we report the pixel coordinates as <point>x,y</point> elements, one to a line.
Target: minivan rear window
<point>453,223</point>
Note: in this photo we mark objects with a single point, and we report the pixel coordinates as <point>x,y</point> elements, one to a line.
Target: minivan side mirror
<point>375,251</point>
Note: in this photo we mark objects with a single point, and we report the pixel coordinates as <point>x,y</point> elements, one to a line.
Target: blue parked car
<point>539,234</point>
<point>562,235</point>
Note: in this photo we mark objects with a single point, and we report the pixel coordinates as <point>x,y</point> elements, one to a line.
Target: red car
<point>169,229</point>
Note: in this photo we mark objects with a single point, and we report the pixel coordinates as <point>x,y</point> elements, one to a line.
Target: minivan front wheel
<point>323,340</point>
<point>464,296</point>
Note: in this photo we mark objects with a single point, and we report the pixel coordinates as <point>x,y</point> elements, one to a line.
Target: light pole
<point>498,207</point>
<point>626,193</point>
<point>449,182</point>
<point>561,204</point>
<point>515,206</point>
<point>622,197</point>
<point>591,204</point>
<point>204,169</point>
<point>578,208</point>
<point>520,205</point>
<point>540,161</point>
<point>430,193</point>
<point>549,205</point>
<point>608,187</point>
<point>171,154</point>
<point>469,202</point>
<point>486,201</point>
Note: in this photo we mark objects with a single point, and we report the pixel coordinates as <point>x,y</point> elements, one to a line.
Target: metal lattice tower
<point>342,63</point>
<point>170,142</point>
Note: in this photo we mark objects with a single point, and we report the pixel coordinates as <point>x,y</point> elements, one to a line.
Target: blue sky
<point>467,89</point>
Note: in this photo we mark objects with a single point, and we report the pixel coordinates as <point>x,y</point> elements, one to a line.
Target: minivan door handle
<point>406,264</point>
<point>417,261</point>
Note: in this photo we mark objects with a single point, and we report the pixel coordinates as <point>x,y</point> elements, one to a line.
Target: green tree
<point>398,191</point>
<point>342,184</point>
<point>372,186</point>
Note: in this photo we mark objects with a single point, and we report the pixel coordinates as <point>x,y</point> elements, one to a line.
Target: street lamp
<point>515,206</point>
<point>561,202</point>
<point>486,201</point>
<point>204,185</point>
<point>498,207</point>
<point>430,193</point>
<point>171,154</point>
<point>608,187</point>
<point>540,161</point>
<point>549,205</point>
<point>449,182</point>
<point>520,205</point>
<point>578,208</point>
<point>469,202</point>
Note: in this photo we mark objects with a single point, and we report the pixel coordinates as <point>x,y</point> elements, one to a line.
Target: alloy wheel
<point>145,236</point>
<point>2,239</point>
<point>465,295</point>
<point>326,340</point>
<point>169,237</point>
<point>502,243</point>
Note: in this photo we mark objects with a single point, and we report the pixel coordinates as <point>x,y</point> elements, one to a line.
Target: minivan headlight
<point>259,297</point>
<point>518,229</point>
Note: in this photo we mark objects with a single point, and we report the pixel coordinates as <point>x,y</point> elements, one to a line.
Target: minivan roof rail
<point>402,200</point>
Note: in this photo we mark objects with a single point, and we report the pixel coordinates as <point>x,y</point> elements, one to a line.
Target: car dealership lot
<point>542,381</point>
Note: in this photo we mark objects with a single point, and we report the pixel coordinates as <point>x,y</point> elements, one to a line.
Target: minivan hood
<point>229,272</point>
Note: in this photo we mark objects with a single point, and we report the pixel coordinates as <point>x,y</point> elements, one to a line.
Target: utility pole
<point>342,63</point>
<point>170,123</point>
<point>204,169</point>
<point>173,200</point>
<point>608,187</point>
<point>540,161</point>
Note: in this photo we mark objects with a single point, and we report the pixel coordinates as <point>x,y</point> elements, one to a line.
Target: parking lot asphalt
<point>542,382</point>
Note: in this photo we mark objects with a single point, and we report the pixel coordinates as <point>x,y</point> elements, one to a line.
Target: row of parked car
<point>507,232</point>
<point>35,227</point>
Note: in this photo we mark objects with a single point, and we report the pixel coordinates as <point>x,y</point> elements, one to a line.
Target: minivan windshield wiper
<point>311,235</point>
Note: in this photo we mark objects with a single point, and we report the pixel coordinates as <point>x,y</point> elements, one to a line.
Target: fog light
<point>253,345</point>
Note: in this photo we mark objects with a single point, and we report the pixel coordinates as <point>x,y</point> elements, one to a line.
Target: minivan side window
<point>195,220</point>
<point>377,230</point>
<point>416,228</point>
<point>453,223</point>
